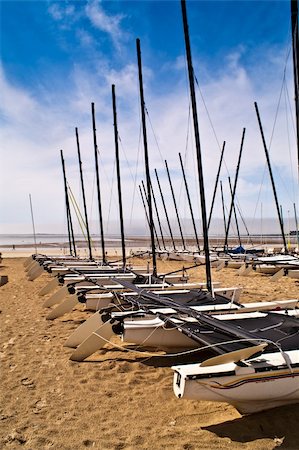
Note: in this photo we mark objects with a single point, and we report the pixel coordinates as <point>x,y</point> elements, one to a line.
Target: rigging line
<point>271,139</point>
<point>243,219</point>
<point>124,153</point>
<point>207,111</point>
<point>78,213</point>
<point>108,179</point>
<point>278,106</point>
<point>155,138</point>
<point>278,172</point>
<point>291,111</point>
<point>234,231</point>
<point>81,222</point>
<point>189,131</point>
<point>283,81</point>
<point>92,195</point>
<point>135,176</point>
<point>259,195</point>
<point>157,144</point>
<point>294,131</point>
<point>111,195</point>
<point>110,182</point>
<point>186,352</point>
<point>76,206</point>
<point>185,162</point>
<point>289,143</point>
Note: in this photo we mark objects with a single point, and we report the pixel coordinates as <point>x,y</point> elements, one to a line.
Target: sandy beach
<point>116,399</point>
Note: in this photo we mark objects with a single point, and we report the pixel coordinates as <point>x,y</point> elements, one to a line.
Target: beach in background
<point>22,245</point>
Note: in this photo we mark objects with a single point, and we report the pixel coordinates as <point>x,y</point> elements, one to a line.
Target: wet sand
<point>116,399</point>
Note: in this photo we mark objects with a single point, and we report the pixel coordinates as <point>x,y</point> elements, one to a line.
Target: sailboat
<point>252,385</point>
<point>249,381</point>
<point>97,332</point>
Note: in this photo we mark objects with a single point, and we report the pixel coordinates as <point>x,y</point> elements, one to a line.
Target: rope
<point>77,212</point>
<point>185,352</point>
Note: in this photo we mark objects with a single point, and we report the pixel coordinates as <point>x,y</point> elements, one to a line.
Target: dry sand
<point>115,400</point>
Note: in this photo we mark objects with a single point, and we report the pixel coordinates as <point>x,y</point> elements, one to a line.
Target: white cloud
<point>110,24</point>
<point>60,12</point>
<point>36,127</point>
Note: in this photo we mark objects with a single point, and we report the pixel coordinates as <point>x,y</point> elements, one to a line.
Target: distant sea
<point>55,240</point>
<point>58,240</point>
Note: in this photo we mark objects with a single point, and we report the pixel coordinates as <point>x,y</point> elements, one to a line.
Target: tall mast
<point>235,213</point>
<point>165,210</point>
<point>234,192</point>
<point>158,216</point>
<point>118,177</point>
<point>223,206</point>
<point>32,220</point>
<point>147,218</point>
<point>175,205</point>
<point>272,179</point>
<point>198,149</point>
<point>98,181</point>
<point>216,185</point>
<point>83,195</point>
<point>295,34</point>
<point>68,210</point>
<point>189,202</point>
<point>148,183</point>
<point>296,224</point>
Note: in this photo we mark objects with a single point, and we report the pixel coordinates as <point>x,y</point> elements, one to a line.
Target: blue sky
<point>59,56</point>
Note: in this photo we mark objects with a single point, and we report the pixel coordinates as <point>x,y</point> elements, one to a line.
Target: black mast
<point>98,181</point>
<point>175,205</point>
<point>148,183</point>
<point>189,202</point>
<point>83,195</point>
<point>234,192</point>
<point>223,206</point>
<point>118,177</point>
<point>296,224</point>
<point>145,209</point>
<point>235,213</point>
<point>295,38</point>
<point>68,210</point>
<point>165,210</point>
<point>216,184</point>
<point>158,216</point>
<point>272,179</point>
<point>198,149</point>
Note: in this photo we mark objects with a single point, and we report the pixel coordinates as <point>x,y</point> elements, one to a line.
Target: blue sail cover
<point>238,250</point>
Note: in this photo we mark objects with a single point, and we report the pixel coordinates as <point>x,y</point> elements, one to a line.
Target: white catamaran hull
<point>152,332</point>
<point>266,382</point>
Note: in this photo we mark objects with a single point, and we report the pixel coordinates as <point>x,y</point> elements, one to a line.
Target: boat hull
<point>247,389</point>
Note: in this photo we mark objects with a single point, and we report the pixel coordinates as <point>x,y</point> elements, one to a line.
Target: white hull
<point>94,302</point>
<point>152,332</point>
<point>234,264</point>
<point>246,388</point>
<point>267,269</point>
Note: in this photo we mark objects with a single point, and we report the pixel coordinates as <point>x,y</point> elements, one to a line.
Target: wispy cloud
<point>60,11</point>
<point>107,23</point>
<point>36,127</point>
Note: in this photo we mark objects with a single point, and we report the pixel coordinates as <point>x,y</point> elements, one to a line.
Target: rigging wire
<point>283,81</point>
<point>76,208</point>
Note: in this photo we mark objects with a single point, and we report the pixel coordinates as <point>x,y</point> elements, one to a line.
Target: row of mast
<point>149,195</point>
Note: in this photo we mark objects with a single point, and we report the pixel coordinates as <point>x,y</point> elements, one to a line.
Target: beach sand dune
<point>116,399</point>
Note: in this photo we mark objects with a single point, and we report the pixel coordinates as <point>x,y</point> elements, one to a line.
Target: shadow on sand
<point>280,424</point>
<point>166,360</point>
